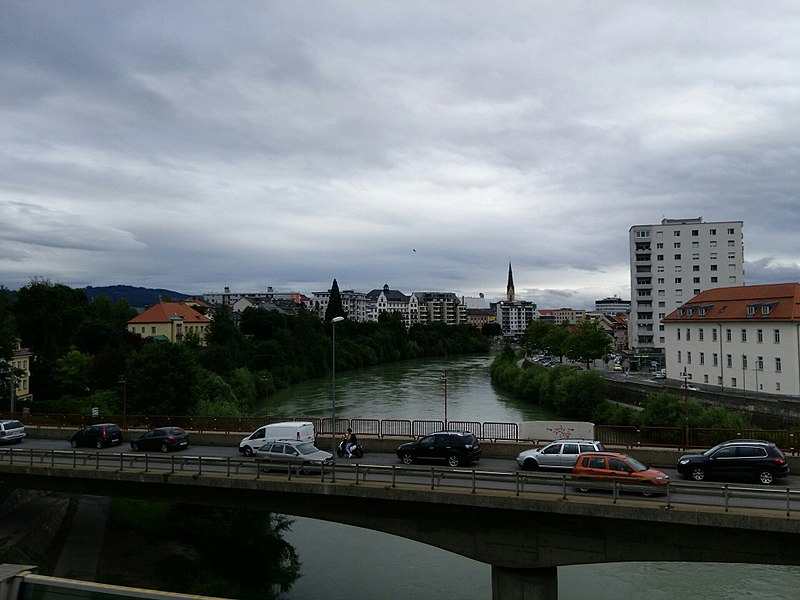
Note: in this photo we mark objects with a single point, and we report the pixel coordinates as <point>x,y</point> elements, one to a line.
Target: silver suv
<point>11,430</point>
<point>560,454</point>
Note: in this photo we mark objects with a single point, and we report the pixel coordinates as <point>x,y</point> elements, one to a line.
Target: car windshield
<point>637,466</point>
<point>307,448</point>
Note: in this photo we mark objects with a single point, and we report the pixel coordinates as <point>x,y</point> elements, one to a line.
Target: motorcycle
<point>357,451</point>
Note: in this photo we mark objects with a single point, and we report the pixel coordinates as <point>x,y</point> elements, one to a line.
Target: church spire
<point>510,285</point>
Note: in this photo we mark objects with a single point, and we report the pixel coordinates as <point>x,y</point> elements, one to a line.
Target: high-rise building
<point>671,263</point>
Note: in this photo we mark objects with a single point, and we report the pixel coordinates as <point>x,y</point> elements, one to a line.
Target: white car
<point>690,387</point>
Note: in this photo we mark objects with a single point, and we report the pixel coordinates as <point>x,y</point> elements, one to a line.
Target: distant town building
<point>393,301</point>
<point>738,338</point>
<point>478,317</point>
<point>560,315</point>
<point>440,307</point>
<point>355,304</point>
<point>169,321</point>
<point>514,315</point>
<point>612,306</point>
<point>672,262</point>
<point>229,298</point>
<point>475,302</point>
<point>17,373</point>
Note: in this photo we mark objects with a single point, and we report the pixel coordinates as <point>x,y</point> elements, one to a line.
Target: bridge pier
<point>524,584</point>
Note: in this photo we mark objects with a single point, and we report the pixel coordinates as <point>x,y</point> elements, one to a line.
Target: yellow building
<point>171,321</point>
<point>21,363</point>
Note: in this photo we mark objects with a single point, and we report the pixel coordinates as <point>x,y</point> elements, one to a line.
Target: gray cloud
<point>194,145</point>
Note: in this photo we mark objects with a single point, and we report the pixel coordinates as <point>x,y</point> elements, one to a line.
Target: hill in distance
<point>137,297</point>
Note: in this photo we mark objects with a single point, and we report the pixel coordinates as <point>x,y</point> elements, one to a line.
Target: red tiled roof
<point>782,302</point>
<point>164,311</point>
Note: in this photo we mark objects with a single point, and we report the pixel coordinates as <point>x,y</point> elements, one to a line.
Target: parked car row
<point>103,435</point>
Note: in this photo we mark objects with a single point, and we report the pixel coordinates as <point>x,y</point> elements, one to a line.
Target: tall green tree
<point>587,341</point>
<point>335,308</point>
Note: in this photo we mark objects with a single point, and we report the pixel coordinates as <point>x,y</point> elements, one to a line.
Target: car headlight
<point>683,461</point>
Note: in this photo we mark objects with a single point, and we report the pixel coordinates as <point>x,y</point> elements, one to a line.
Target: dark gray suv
<point>736,459</point>
<point>453,447</point>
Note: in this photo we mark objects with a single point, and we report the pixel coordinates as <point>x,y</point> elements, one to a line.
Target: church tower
<point>510,286</point>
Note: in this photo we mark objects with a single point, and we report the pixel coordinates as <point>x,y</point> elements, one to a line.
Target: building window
<point>702,358</point>
<point>679,356</point>
<point>733,381</point>
<point>760,336</point>
<point>700,334</point>
<point>715,360</point>
<point>712,244</point>
<point>730,230</point>
<point>679,334</point>
<point>728,335</point>
<point>729,360</point>
<point>662,304</point>
<point>705,378</point>
<point>659,257</point>
<point>695,244</point>
<point>713,267</point>
<point>712,232</point>
<point>679,292</point>
<point>776,336</point>
<point>688,357</point>
<point>695,268</point>
<point>695,280</point>
<point>676,233</point>
<point>777,386</point>
<point>777,365</point>
<point>744,336</point>
<point>677,244</point>
<point>760,363</point>
<point>713,280</point>
<point>744,361</point>
<point>714,334</point>
<point>677,257</point>
<point>688,334</point>
<point>695,232</point>
<point>731,255</point>
<point>731,243</point>
<point>659,245</point>
<point>677,280</point>
<point>695,256</point>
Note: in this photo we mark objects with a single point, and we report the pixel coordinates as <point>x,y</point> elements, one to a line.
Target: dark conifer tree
<point>335,308</point>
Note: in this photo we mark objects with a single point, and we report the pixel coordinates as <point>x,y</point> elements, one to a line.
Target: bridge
<point>502,519</point>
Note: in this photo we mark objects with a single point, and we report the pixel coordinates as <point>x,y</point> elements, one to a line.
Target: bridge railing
<point>617,435</point>
<point>775,500</point>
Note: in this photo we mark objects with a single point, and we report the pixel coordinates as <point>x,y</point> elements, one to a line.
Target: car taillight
<point>780,461</point>
<point>104,433</point>
<point>171,438</point>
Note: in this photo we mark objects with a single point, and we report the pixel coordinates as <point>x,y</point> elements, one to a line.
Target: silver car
<point>302,456</point>
<point>560,454</point>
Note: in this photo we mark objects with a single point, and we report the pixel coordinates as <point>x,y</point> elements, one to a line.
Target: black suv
<point>99,436</point>
<point>736,459</point>
<point>454,447</point>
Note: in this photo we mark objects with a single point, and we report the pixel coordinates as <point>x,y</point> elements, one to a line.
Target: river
<point>346,563</point>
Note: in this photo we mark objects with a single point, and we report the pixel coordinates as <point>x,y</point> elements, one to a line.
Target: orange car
<point>618,468</point>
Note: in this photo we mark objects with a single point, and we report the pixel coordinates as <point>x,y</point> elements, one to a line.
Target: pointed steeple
<point>510,285</point>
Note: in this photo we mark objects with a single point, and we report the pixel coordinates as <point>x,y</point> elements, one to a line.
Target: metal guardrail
<point>783,500</point>
<point>618,435</point>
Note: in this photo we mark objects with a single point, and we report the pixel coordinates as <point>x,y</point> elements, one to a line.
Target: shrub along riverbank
<point>583,396</point>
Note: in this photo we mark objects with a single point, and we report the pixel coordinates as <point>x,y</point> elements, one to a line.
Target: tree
<point>492,329</point>
<point>335,308</point>
<point>587,341</point>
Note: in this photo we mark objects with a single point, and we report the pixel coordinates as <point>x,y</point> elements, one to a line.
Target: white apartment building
<point>355,304</point>
<point>738,338</point>
<point>671,263</point>
<point>612,306</point>
<point>442,307</point>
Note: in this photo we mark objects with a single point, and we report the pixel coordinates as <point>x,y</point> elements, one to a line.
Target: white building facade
<point>743,338</point>
<point>355,304</point>
<point>670,264</point>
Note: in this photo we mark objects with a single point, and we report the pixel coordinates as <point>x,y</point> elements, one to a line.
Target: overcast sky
<point>196,145</point>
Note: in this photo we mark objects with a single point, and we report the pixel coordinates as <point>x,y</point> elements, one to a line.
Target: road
<point>493,473</point>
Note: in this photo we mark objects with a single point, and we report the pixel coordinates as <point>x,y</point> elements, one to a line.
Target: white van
<point>302,431</point>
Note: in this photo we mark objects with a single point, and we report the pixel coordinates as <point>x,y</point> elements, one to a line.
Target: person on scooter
<point>350,442</point>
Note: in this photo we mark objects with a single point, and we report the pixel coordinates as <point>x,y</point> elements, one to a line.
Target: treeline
<point>84,356</point>
<point>583,396</point>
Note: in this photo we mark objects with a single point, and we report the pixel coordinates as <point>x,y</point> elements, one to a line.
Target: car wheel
<point>134,446</point>
<point>164,447</point>
<point>74,443</point>
<point>99,444</point>
<point>647,492</point>
<point>766,477</point>
<point>583,487</point>
<point>453,460</point>
<point>530,465</point>
<point>698,473</point>
<point>407,458</point>
<point>265,467</point>
<point>248,451</point>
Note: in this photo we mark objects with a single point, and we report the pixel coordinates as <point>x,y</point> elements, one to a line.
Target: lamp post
<point>122,381</point>
<point>265,379</point>
<point>685,409</point>
<point>443,379</point>
<point>334,321</point>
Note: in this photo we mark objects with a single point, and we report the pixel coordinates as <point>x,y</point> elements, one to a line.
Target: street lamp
<point>443,379</point>
<point>334,321</point>
<point>265,379</point>
<point>685,409</point>
<point>122,381</point>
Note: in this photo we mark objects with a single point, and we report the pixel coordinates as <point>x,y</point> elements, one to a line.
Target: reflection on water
<point>408,390</point>
<point>342,562</point>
